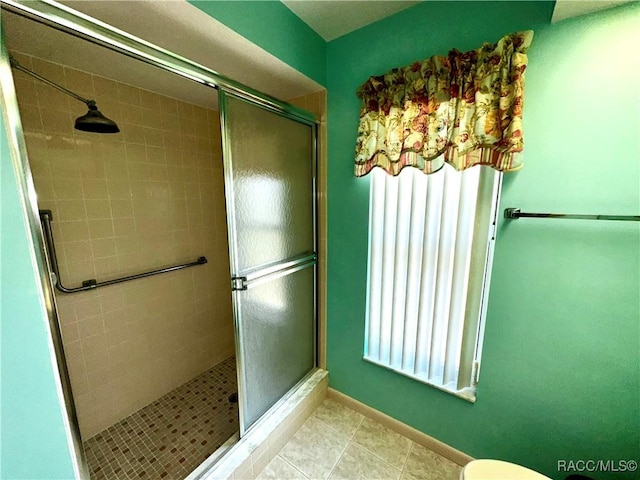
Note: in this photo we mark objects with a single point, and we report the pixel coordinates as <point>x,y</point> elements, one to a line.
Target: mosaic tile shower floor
<point>170,437</point>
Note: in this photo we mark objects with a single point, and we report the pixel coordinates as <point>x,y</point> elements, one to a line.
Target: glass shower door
<point>270,193</point>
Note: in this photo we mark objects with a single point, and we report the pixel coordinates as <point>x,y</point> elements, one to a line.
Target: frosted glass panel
<point>277,324</point>
<point>269,184</point>
<point>272,181</point>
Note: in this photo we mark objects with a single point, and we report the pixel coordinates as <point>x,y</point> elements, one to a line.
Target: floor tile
<point>280,469</point>
<point>339,417</point>
<point>424,464</point>
<point>384,442</point>
<point>314,449</point>
<point>357,463</point>
<point>170,437</point>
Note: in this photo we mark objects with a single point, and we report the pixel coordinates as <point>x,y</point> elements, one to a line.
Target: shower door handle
<point>238,283</point>
<point>265,274</point>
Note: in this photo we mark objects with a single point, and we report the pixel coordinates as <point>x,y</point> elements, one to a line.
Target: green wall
<point>560,376</point>
<point>560,373</point>
<point>33,442</point>
<point>272,26</point>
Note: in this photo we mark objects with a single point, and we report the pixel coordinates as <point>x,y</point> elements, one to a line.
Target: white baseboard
<point>411,433</point>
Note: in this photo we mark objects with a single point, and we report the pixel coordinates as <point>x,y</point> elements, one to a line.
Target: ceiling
<point>174,25</point>
<point>182,28</point>
<point>332,19</point>
<point>574,8</point>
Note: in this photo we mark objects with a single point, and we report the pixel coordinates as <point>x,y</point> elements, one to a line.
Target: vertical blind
<point>428,258</point>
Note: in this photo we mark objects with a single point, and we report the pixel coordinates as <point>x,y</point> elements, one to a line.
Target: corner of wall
<point>295,43</point>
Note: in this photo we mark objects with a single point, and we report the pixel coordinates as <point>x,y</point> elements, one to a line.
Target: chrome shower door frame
<point>26,188</point>
<point>242,283</point>
<point>70,21</point>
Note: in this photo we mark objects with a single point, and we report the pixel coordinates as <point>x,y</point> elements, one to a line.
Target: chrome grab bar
<point>45,219</point>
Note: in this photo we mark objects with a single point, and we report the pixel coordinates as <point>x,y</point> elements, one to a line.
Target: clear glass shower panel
<point>272,177</point>
<point>277,324</point>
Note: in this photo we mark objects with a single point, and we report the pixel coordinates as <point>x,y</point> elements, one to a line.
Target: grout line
<point>360,423</point>
<point>290,464</point>
<point>406,459</point>
<point>332,428</point>
<point>420,438</point>
<point>362,417</point>
<point>338,460</point>
<point>378,456</point>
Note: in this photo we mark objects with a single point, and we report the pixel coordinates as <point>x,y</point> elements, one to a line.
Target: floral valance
<point>464,109</point>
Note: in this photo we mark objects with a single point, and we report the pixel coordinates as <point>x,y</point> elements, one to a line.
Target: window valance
<point>464,109</point>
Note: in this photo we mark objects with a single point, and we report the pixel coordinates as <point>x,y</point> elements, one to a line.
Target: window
<point>430,251</point>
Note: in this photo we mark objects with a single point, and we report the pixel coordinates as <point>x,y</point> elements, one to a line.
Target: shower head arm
<point>14,63</point>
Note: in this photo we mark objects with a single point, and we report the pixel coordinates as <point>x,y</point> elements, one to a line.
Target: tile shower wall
<point>148,197</point>
<point>316,103</point>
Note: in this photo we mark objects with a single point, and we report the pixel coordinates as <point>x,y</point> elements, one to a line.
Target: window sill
<point>468,393</point>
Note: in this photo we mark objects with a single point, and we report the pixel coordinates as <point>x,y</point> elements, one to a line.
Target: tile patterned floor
<point>168,438</point>
<point>339,443</point>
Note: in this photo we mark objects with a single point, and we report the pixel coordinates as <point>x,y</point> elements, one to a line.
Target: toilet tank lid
<point>498,470</point>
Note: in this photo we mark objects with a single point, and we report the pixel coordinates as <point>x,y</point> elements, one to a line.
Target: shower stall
<point>178,226</point>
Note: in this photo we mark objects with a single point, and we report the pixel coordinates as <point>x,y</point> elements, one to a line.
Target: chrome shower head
<point>92,121</point>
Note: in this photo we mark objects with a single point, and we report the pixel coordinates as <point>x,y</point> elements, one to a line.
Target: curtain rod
<point>515,213</point>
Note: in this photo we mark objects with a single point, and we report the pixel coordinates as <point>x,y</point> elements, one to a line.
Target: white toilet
<point>498,470</point>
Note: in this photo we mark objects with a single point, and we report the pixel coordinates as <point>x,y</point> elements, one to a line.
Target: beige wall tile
<point>74,231</point>
<point>80,82</point>
<point>171,123</point>
<point>153,136</point>
<point>156,155</point>
<point>103,247</point>
<point>317,104</point>
<point>116,169</point>
<point>56,121</point>
<point>70,210</point>
<point>119,189</point>
<point>132,133</point>
<point>185,110</point>
<point>101,228</point>
<point>86,307</point>
<point>46,194</point>
<point>130,113</point>
<point>26,88</point>
<point>106,88</point>
<point>98,362</point>
<point>168,106</point>
<point>70,333</point>
<point>78,252</point>
<point>97,209</point>
<point>67,188</point>
<point>95,188</point>
<point>95,169</point>
<point>106,267</point>
<point>52,71</point>
<point>135,153</point>
<point>31,120</point>
<point>150,100</point>
<point>76,273</point>
<point>120,207</point>
<point>128,94</point>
